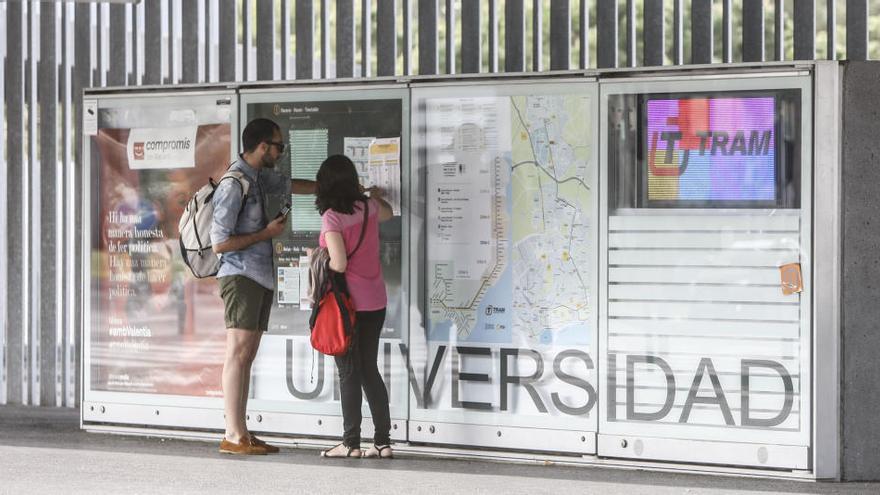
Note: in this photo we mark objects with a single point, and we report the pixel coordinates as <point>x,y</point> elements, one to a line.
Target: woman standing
<point>341,205</point>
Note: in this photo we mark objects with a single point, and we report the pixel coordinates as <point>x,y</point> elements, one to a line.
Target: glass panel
<point>509,233</point>
<point>368,127</point>
<point>155,329</point>
<point>707,258</point>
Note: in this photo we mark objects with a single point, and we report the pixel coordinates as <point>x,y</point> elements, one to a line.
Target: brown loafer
<point>245,447</point>
<point>270,449</point>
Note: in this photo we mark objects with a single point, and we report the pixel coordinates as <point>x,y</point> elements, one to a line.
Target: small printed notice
<point>289,285</point>
<point>385,169</point>
<point>358,150</point>
<point>377,161</point>
<point>90,117</point>
<point>305,289</point>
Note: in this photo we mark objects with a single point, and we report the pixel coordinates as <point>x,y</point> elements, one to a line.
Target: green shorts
<point>247,303</point>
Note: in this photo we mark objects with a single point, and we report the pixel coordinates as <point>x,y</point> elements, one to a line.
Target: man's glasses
<point>280,146</point>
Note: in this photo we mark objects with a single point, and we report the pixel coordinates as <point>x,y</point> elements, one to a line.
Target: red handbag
<point>333,317</point>
<point>333,320</point>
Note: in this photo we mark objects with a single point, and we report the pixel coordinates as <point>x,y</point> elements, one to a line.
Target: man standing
<point>242,235</point>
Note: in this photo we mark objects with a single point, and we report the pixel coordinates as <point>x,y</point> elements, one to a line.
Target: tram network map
<point>510,212</point>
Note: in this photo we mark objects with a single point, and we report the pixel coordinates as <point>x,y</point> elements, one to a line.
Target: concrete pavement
<point>43,451</point>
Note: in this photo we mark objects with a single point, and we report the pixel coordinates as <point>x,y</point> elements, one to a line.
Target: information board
<point>706,334</point>
<point>368,127</point>
<point>510,253</point>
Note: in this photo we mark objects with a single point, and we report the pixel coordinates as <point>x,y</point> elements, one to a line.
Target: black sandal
<point>375,452</point>
<point>351,452</point>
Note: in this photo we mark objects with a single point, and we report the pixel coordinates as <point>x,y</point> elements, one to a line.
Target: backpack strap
<point>242,183</point>
<point>363,228</point>
<point>239,177</point>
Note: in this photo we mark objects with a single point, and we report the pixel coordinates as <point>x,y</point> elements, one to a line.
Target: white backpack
<point>195,226</point>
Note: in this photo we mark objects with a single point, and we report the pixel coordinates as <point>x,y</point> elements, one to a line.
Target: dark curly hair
<point>338,186</point>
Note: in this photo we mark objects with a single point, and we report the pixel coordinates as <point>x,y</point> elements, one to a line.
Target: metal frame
<point>432,452</point>
<point>177,412</point>
<point>205,412</point>
<point>483,432</point>
<point>68,249</point>
<point>320,422</point>
<point>4,225</point>
<point>616,444</point>
<point>827,274</point>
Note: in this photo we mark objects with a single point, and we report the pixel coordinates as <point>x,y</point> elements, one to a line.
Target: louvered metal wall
<point>52,50</point>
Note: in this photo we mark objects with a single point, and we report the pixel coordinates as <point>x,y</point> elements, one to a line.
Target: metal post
<point>537,35</point>
<point>33,327</point>
<point>45,240</point>
<point>81,79</point>
<point>4,227</point>
<point>153,43</point>
<point>726,31</point>
<point>386,37</point>
<point>583,36</point>
<point>678,33</point>
<point>805,30</point>
<point>407,36</point>
<point>228,40</point>
<point>450,37</point>
<point>606,39</point>
<point>305,38</point>
<point>779,30</point>
<point>493,36</point>
<point>428,59</point>
<point>857,29</point>
<point>265,40</point>
<point>831,29</point>
<point>117,45</point>
<point>16,277</point>
<point>471,53</point>
<point>325,38</point>
<point>753,31</point>
<point>345,30</point>
<point>514,36</point>
<point>560,35</point>
<point>701,32</point>
<point>631,33</point>
<point>366,45</point>
<point>190,45</point>
<point>285,39</point>
<point>653,32</point>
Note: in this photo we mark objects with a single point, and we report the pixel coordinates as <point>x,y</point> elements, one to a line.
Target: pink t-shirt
<point>364,272</point>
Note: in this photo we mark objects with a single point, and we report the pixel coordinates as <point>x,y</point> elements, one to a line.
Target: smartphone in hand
<point>284,210</point>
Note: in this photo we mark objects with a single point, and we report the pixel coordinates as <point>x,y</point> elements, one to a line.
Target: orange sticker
<point>790,275</point>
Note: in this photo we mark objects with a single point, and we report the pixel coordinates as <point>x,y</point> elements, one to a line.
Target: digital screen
<point>711,150</point>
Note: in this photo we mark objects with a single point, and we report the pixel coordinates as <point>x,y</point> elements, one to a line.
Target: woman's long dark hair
<point>338,186</point>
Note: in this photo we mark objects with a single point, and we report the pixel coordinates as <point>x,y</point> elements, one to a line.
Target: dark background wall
<point>861,271</point>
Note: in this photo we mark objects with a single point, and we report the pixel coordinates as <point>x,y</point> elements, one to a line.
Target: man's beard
<point>268,162</point>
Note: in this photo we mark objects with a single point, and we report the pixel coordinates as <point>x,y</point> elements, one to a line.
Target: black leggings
<point>358,369</point>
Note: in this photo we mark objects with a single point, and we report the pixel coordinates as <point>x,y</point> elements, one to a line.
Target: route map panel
<point>510,280</point>
<point>509,229</point>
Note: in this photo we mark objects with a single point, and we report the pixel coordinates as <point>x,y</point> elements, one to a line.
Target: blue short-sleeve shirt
<point>232,217</point>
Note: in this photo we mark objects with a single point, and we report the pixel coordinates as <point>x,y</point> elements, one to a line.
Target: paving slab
<point>42,450</point>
